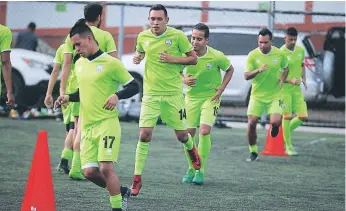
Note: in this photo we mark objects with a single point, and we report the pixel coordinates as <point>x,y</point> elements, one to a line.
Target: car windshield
<point>236,44</point>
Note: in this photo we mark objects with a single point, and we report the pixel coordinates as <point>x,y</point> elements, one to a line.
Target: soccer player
<point>293,97</point>
<point>5,62</point>
<point>164,49</point>
<point>99,76</point>
<point>203,96</point>
<point>268,69</point>
<point>92,14</point>
<point>67,152</point>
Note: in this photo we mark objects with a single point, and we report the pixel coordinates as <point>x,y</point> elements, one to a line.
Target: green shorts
<point>293,102</point>
<point>75,109</point>
<point>200,111</point>
<point>100,142</point>
<point>256,107</point>
<point>67,113</point>
<point>171,109</point>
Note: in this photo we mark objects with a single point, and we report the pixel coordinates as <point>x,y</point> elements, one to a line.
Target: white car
<point>30,75</point>
<point>236,43</point>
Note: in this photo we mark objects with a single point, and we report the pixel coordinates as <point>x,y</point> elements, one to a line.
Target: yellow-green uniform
<point>293,97</point>
<point>163,92</point>
<point>97,80</point>
<point>72,109</point>
<point>5,44</point>
<point>106,44</point>
<point>199,107</point>
<point>265,91</point>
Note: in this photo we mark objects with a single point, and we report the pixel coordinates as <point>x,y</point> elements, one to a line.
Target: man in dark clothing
<point>27,39</point>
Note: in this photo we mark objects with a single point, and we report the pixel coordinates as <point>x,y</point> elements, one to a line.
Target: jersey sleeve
<point>68,45</point>
<point>59,55</point>
<point>120,73</point>
<point>250,63</point>
<point>139,46</point>
<point>224,62</point>
<point>284,60</point>
<point>110,43</point>
<point>6,40</point>
<point>183,43</point>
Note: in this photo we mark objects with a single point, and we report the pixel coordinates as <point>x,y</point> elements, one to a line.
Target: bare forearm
<point>7,70</point>
<point>251,75</point>
<point>190,60</point>
<point>284,75</point>
<point>53,78</point>
<point>303,74</point>
<point>227,78</point>
<point>64,76</point>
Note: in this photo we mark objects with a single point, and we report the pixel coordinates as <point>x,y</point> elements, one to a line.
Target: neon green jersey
<point>71,84</point>
<point>265,85</point>
<point>207,72</point>
<point>97,80</point>
<point>162,78</point>
<point>295,60</point>
<point>104,39</point>
<point>5,44</point>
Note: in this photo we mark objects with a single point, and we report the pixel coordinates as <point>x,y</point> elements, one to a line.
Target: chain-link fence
<point>234,27</point>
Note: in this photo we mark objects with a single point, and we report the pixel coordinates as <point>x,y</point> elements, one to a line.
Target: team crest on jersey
<point>146,43</point>
<point>275,60</point>
<point>300,55</point>
<point>168,42</point>
<point>289,57</point>
<point>258,61</point>
<point>209,66</point>
<point>79,69</point>
<point>99,68</point>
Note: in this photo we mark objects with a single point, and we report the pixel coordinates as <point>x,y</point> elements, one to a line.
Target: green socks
<point>116,201</point>
<point>187,154</point>
<point>189,143</point>
<point>141,156</point>
<point>204,146</point>
<point>253,148</point>
<point>67,153</point>
<point>76,162</point>
<point>287,132</point>
<point>295,122</point>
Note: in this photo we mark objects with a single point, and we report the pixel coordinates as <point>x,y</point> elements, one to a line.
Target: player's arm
<point>284,66</point>
<point>190,59</point>
<point>66,67</point>
<point>303,71</point>
<point>5,47</point>
<point>111,48</point>
<point>188,80</point>
<point>225,65</point>
<point>139,53</point>
<point>227,78</point>
<point>52,80</point>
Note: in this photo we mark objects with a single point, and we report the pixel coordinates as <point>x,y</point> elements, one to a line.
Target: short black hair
<point>291,31</point>
<point>32,26</point>
<point>158,7</point>
<point>265,32</point>
<point>202,27</point>
<point>81,28</point>
<point>92,11</point>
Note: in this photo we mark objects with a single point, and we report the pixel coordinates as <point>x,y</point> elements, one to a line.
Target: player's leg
<point>150,111</point>
<point>174,114</point>
<point>254,112</point>
<point>193,113</point>
<point>286,120</point>
<point>275,112</point>
<point>300,108</point>
<point>67,152</point>
<point>76,167</point>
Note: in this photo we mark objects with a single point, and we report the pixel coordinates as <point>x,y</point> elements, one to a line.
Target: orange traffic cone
<point>275,146</point>
<point>39,193</point>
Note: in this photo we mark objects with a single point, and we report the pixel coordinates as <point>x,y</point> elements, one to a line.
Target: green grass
<point>314,180</point>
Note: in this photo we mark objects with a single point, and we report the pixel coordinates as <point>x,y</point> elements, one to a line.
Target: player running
<point>204,95</point>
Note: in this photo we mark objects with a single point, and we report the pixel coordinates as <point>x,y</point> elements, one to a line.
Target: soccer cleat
<point>194,157</point>
<point>76,175</point>
<point>136,185</point>
<point>125,194</point>
<point>199,178</point>
<point>188,177</point>
<point>274,131</point>
<point>291,151</point>
<point>63,166</point>
<point>253,157</point>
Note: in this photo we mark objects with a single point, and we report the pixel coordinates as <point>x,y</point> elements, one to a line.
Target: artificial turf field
<point>314,180</point>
